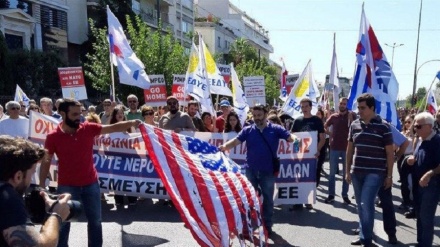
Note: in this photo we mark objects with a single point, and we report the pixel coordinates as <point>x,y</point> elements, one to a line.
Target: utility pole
<point>417,55</point>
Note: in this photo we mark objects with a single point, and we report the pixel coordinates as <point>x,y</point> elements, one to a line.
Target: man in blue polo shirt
<point>262,139</point>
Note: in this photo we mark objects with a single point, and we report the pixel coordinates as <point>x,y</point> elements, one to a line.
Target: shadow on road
<point>133,240</point>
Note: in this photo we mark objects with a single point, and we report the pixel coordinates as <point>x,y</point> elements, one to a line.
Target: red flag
<point>215,201</point>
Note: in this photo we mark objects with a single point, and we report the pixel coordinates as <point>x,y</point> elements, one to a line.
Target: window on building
<point>219,40</point>
<point>53,18</point>
<point>14,42</point>
<point>187,27</point>
<point>187,3</point>
<point>136,7</point>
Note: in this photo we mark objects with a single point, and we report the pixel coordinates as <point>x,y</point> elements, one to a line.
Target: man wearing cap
<point>174,119</point>
<point>225,106</point>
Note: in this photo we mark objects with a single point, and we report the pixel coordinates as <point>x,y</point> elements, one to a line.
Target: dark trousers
<point>405,171</point>
<point>321,160</point>
<point>388,213</point>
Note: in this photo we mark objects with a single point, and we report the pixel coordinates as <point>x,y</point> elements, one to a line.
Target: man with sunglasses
<point>133,111</point>
<point>425,177</point>
<point>174,119</point>
<point>15,125</point>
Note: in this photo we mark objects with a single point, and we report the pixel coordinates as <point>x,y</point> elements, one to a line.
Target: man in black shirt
<point>18,160</point>
<point>307,123</point>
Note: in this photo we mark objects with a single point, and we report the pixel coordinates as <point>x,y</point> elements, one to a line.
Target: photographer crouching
<point>18,160</point>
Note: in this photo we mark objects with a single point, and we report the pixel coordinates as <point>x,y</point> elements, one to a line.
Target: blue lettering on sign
<point>124,164</point>
<point>292,103</point>
<point>197,83</point>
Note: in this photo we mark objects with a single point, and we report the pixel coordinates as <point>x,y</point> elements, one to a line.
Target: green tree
<point>3,59</point>
<point>241,51</point>
<point>35,71</point>
<point>4,4</point>
<point>159,52</point>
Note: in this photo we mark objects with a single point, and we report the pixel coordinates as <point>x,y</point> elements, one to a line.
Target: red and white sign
<point>225,70</point>
<point>178,89</point>
<point>72,83</point>
<point>156,95</point>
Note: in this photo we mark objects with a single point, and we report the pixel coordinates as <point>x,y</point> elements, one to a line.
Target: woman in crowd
<point>116,116</point>
<point>405,170</point>
<point>32,107</point>
<point>232,123</point>
<point>207,121</point>
<point>148,115</point>
<point>160,112</point>
<point>273,118</point>
<point>321,158</point>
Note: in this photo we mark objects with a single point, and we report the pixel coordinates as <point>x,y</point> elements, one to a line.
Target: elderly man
<point>371,152</point>
<point>15,125</point>
<point>426,180</point>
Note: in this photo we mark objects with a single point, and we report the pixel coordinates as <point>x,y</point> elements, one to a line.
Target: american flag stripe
<point>214,200</point>
<point>185,186</point>
<point>158,156</point>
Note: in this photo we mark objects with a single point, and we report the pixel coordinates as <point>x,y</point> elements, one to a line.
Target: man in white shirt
<point>15,125</point>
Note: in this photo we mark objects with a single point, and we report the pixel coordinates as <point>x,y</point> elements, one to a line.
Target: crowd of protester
<point>340,133</point>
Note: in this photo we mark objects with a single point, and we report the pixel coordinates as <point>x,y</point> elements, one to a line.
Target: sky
<point>300,30</point>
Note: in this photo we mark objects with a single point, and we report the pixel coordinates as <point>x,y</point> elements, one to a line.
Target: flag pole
<point>205,73</point>
<point>113,96</point>
<point>426,95</point>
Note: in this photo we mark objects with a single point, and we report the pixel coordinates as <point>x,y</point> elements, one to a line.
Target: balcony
<point>150,18</point>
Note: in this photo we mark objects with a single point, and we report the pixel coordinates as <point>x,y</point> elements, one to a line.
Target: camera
<point>36,207</point>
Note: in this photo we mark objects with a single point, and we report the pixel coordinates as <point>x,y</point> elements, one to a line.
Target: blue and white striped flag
<point>374,75</point>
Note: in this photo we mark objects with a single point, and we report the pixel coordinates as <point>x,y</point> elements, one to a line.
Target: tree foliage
<point>159,52</point>
<point>247,63</point>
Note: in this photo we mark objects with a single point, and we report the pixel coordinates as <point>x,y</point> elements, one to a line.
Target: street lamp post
<point>394,46</point>
<point>430,86</point>
<point>417,56</point>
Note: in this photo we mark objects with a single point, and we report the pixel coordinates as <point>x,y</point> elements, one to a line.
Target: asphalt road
<point>150,223</point>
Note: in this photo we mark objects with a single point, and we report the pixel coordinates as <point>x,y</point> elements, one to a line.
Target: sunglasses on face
<point>132,101</point>
<point>23,106</point>
<point>149,113</point>
<point>418,126</point>
<point>106,105</point>
<point>407,122</point>
<point>14,108</point>
<point>172,103</point>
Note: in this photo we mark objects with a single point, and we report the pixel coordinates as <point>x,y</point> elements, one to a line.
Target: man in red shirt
<point>72,142</point>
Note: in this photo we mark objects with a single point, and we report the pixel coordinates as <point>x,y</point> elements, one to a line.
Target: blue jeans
<point>90,198</point>
<point>366,186</point>
<point>334,163</point>
<point>426,200</point>
<point>264,182</point>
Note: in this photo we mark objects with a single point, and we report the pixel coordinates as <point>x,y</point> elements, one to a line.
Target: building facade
<point>237,24</point>
<point>44,24</point>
